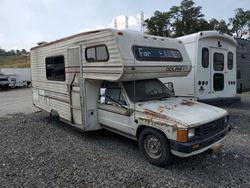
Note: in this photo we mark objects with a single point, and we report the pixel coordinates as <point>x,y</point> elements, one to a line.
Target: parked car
<point>4,82</point>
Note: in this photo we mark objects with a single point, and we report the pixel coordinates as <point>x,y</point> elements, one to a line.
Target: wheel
<point>155,147</point>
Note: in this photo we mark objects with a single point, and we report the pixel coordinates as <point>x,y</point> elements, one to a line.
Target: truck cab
<point>163,125</point>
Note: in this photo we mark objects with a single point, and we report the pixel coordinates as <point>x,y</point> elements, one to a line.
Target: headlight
<point>191,133</point>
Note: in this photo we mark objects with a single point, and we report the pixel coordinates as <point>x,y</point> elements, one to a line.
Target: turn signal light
<point>182,135</point>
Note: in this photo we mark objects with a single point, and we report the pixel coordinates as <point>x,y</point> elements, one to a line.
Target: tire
<point>154,146</point>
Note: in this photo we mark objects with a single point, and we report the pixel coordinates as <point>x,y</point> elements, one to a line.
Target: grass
<point>14,61</point>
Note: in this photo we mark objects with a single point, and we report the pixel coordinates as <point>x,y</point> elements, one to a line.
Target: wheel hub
<point>152,146</point>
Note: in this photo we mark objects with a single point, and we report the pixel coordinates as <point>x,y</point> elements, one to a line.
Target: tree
<point>159,24</point>
<point>240,22</point>
<point>18,52</point>
<point>221,26</point>
<point>2,52</point>
<point>187,19</point>
<point>24,51</point>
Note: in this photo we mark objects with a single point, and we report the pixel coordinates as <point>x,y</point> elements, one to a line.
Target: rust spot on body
<point>161,109</point>
<point>187,103</point>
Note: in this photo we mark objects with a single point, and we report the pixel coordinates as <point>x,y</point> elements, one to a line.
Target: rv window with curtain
<point>218,62</point>
<point>230,60</point>
<point>144,53</point>
<point>205,58</point>
<point>96,53</point>
<point>55,68</point>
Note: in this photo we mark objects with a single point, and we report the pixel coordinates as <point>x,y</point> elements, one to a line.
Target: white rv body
<point>209,83</point>
<point>83,79</point>
<point>108,79</point>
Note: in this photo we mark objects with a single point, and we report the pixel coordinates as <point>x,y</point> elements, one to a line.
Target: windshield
<point>146,90</point>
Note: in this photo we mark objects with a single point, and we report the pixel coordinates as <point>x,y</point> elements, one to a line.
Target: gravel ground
<point>39,151</point>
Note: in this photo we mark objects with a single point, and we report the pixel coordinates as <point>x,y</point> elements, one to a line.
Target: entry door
<point>218,71</point>
<point>75,85</point>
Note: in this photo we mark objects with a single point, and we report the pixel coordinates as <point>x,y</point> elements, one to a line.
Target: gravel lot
<point>39,151</point>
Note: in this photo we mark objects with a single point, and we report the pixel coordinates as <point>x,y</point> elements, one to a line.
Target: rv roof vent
<point>41,43</point>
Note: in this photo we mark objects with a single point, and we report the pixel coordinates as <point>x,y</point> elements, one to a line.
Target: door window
<point>114,94</point>
<point>218,82</point>
<point>230,60</point>
<point>218,61</point>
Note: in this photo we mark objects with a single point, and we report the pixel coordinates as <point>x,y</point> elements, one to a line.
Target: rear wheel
<point>154,146</point>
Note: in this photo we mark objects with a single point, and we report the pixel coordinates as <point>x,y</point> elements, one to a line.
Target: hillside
<point>16,61</point>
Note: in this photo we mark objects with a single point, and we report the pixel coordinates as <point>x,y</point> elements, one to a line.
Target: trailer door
<point>218,71</point>
<point>75,85</point>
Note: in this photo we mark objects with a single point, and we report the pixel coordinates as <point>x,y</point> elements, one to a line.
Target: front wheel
<point>154,146</point>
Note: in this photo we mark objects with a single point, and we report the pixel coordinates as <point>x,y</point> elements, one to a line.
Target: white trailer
<point>213,75</point>
<point>108,79</point>
<point>18,77</point>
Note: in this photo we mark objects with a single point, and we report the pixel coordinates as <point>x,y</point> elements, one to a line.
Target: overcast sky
<point>25,22</point>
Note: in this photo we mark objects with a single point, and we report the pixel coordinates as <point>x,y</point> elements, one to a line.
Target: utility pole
<point>142,21</point>
<point>126,22</point>
<point>115,23</point>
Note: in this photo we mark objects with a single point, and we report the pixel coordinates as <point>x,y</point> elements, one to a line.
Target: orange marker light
<point>182,135</point>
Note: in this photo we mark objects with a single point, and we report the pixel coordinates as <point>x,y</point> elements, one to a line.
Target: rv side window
<point>230,60</point>
<point>96,53</point>
<point>205,58</point>
<point>218,62</point>
<point>55,68</point>
<point>143,53</point>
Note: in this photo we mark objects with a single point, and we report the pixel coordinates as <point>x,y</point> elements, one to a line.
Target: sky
<point>23,23</point>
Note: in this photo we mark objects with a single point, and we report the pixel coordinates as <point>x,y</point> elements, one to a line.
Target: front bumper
<point>198,146</point>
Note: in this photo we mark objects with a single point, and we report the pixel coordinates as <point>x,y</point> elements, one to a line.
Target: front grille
<point>210,128</point>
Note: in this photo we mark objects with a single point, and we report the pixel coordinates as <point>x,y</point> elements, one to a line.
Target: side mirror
<point>103,95</point>
<point>103,91</point>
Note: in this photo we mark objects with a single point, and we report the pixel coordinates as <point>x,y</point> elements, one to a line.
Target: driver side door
<point>114,114</point>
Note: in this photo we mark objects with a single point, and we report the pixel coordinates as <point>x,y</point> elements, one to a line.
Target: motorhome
<point>213,75</point>
<point>243,64</point>
<point>107,79</point>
